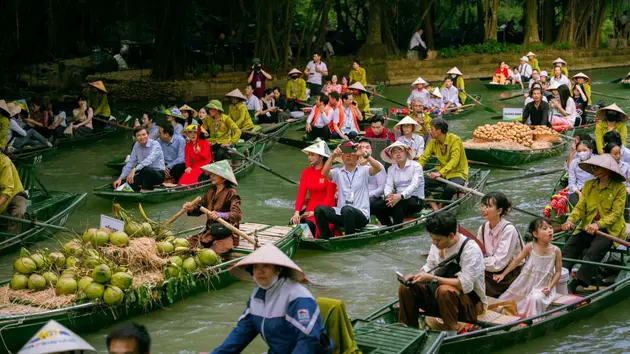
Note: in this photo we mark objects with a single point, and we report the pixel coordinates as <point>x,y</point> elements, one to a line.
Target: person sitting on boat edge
<point>529,95</point>
<point>501,74</point>
<point>357,74</point>
<point>318,120</point>
<point>614,150</point>
<point>535,288</point>
<point>345,118</point>
<point>537,111</point>
<point>610,118</point>
<point>189,115</point>
<point>97,100</point>
<point>173,150</point>
<point>360,97</point>
<point>145,167</point>
<point>280,309</point>
<point>148,122</point>
<point>525,70</point>
<point>455,291</point>
<point>423,118</point>
<point>613,136</point>
<point>419,92</point>
<point>377,129</point>
<point>376,183</point>
<point>320,190</point>
<point>600,208</point>
<point>17,137</point>
<point>450,94</point>
<point>580,100</point>
<point>270,112</point>
<point>197,153</point>
<point>563,111</point>
<point>560,63</point>
<point>448,149</point>
<point>435,105</point>
<point>4,124</point>
<point>535,78</point>
<point>577,176</point>
<point>83,122</point>
<point>559,78</point>
<point>128,338</point>
<point>57,116</point>
<point>457,80</point>
<point>252,103</point>
<point>223,201</point>
<point>222,130</point>
<point>174,117</point>
<point>353,200</point>
<point>532,61</point>
<point>238,112</point>
<point>408,127</point>
<point>13,198</point>
<point>404,186</point>
<point>501,241</point>
<point>585,81</point>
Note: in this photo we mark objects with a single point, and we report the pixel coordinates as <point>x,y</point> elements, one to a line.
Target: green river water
<point>363,278</point>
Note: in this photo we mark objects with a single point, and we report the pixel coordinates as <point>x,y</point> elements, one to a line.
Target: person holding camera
<point>257,78</point>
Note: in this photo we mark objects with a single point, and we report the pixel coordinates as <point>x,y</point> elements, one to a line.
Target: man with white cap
<point>419,92</point>
<point>525,70</point>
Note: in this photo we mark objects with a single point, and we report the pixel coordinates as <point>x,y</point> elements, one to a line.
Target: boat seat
<point>562,299</point>
<point>490,317</point>
<point>377,338</point>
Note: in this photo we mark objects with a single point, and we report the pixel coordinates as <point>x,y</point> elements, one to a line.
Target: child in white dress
<point>534,289</point>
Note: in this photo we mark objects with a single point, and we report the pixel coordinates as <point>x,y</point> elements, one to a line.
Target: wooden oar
<point>527,175</point>
<point>610,96</point>
<point>511,168</point>
<point>112,122</point>
<point>604,235</point>
<point>616,81</point>
<point>485,108</point>
<point>511,97</point>
<point>232,228</point>
<point>236,152</point>
<point>36,223</point>
<point>390,100</point>
<point>181,212</point>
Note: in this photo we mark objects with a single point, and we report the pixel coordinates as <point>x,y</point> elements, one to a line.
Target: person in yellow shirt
<point>585,81</point>
<point>223,132</point>
<point>13,199</point>
<point>357,74</point>
<point>458,80</point>
<point>448,149</point>
<point>5,116</point>
<point>532,61</point>
<point>97,100</point>
<point>563,66</point>
<point>610,118</point>
<point>600,209</point>
<point>423,118</point>
<point>360,97</point>
<point>238,112</point>
<point>295,90</point>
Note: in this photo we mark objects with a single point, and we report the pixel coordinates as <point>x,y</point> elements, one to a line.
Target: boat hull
<point>499,87</point>
<point>514,157</point>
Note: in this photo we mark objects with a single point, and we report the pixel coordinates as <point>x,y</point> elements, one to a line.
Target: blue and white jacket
<point>285,315</point>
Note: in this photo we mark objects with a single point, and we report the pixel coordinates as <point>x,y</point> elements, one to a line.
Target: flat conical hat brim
<point>99,85</point>
<point>236,93</point>
<point>320,148</point>
<point>530,54</point>
<point>605,161</point>
<point>267,254</point>
<point>173,112</point>
<point>419,81</point>
<point>357,86</point>
<point>601,113</point>
<point>55,338</point>
<point>582,75</point>
<point>407,120</point>
<point>295,71</point>
<point>553,86</point>
<point>4,107</point>
<point>221,168</point>
<point>187,108</point>
<point>559,60</point>
<point>386,154</point>
<point>454,71</point>
<point>14,109</point>
<point>436,93</point>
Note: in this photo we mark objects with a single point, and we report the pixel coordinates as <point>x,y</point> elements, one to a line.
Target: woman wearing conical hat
<point>281,310</point>
<point>189,115</point>
<point>563,66</point>
<point>360,96</point>
<point>600,208</point>
<point>97,100</point>
<point>407,127</point>
<point>295,90</point>
<point>585,81</point>
<point>610,118</point>
<point>419,92</point>
<point>435,104</point>
<point>532,61</point>
<point>238,111</point>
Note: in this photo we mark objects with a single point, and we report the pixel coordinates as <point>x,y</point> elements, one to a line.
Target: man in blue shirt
<point>145,167</point>
<point>173,149</point>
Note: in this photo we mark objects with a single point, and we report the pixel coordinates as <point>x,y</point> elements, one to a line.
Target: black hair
<point>536,224</point>
<point>565,94</point>
<point>365,140</point>
<point>609,147</point>
<point>168,129</point>
<point>268,92</point>
<point>536,70</point>
<point>284,271</point>
<point>131,330</point>
<point>587,143</point>
<point>441,224</point>
<point>149,115</point>
<point>378,118</point>
<point>55,106</point>
<point>448,77</point>
<point>81,98</point>
<point>499,200</point>
<point>316,52</point>
<point>440,124</point>
<point>249,85</point>
<point>612,116</point>
<point>535,86</point>
<point>355,60</point>
<point>587,136</point>
<point>535,89</point>
<point>576,85</point>
<point>276,88</point>
<point>612,136</point>
<point>334,95</point>
<point>516,67</point>
<point>138,129</point>
<point>323,99</point>
<point>345,95</point>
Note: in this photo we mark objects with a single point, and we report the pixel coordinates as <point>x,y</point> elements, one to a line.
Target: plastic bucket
<point>561,286</point>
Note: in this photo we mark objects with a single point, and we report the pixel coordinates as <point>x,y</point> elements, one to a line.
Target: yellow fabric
<point>565,70</point>
<point>358,76</point>
<point>601,128</point>
<point>10,183</point>
<point>451,164</point>
<point>587,91</point>
<point>363,102</point>
<point>4,127</point>
<point>533,62</point>
<point>459,83</point>
<point>296,89</point>
<point>337,325</point>
<point>228,130</point>
<point>240,116</point>
<point>608,202</point>
<point>98,102</point>
<point>426,124</point>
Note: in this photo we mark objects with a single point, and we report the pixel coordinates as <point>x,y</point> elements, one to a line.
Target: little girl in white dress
<point>534,289</point>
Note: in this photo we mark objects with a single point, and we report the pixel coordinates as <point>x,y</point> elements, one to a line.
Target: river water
<point>363,278</point>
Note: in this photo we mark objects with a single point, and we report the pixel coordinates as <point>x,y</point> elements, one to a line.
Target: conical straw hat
<point>605,161</point>
<point>187,108</point>
<point>554,86</point>
<point>295,71</point>
<point>454,71</point>
<point>559,60</point>
<point>386,154</point>
<point>320,148</point>
<point>266,254</point>
<point>436,92</point>
<point>601,113</point>
<point>407,120</point>
<point>582,75</point>
<point>5,107</point>
<point>530,54</point>
<point>54,338</point>
<point>419,81</point>
<point>99,85</point>
<point>215,104</point>
<point>173,112</point>
<point>194,127</point>
<point>14,109</point>
<point>357,86</point>
<point>221,168</point>
<point>236,93</point>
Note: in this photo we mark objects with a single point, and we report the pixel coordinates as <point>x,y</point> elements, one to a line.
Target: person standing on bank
<point>257,77</point>
<point>353,198</point>
<point>315,69</point>
<point>147,160</point>
<point>173,151</point>
<point>456,291</point>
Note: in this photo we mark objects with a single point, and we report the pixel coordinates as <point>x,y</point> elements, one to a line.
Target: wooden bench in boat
<point>263,232</point>
<point>377,338</point>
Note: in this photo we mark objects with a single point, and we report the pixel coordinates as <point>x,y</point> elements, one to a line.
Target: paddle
<point>604,235</point>
<point>36,223</point>
<point>610,96</point>
<point>527,175</point>
<point>485,108</point>
<point>234,151</point>
<point>511,97</point>
<point>181,212</point>
<point>232,228</point>
<point>390,100</point>
<point>511,168</point>
<point>616,81</point>
<point>112,122</point>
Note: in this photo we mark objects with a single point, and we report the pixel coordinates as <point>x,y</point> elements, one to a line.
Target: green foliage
<point>489,47</point>
<point>536,47</point>
<point>561,45</point>
<point>448,52</point>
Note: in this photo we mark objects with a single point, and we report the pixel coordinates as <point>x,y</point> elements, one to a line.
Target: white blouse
<point>503,244</point>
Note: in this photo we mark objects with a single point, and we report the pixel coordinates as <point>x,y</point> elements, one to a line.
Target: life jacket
<point>327,110</point>
<point>342,114</point>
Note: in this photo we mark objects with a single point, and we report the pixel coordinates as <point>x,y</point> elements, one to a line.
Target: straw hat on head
<point>320,148</point>
<point>544,73</point>
<point>295,71</point>
<point>192,128</point>
<point>357,86</point>
<point>221,168</point>
<point>407,120</point>
<point>559,61</point>
<point>524,58</point>
<point>419,81</point>
<point>530,54</point>
<point>436,92</point>
<point>454,71</point>
<point>601,113</point>
<point>4,107</point>
<point>14,109</point>
<point>582,75</point>
<point>215,104</point>
<point>386,154</point>
<point>267,254</point>
<point>236,93</point>
<point>605,161</point>
<point>554,86</point>
<point>173,112</point>
<point>23,105</point>
<point>188,109</point>
<point>55,338</point>
<point>99,85</point>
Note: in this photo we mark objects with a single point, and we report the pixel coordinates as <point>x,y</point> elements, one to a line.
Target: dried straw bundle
<point>140,256</point>
<point>46,298</point>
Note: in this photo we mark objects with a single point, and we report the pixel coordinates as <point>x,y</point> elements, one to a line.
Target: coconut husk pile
<point>150,277</point>
<point>139,257</point>
<point>46,298</point>
<point>512,136</point>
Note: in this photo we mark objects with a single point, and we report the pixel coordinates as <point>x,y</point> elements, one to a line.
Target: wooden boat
<point>499,87</point>
<point>378,337</point>
<point>515,157</point>
<point>625,85</point>
<point>49,207</point>
<point>161,193</point>
<point>85,139</point>
<point>31,155</point>
<point>499,332</point>
<point>374,233</point>
<point>371,88</point>
<point>18,328</point>
<point>449,115</point>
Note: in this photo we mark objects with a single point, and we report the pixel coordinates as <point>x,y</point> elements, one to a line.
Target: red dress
<point>320,192</point>
<point>505,72</point>
<point>195,160</point>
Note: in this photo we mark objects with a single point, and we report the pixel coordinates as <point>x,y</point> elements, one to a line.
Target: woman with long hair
<point>563,111</point>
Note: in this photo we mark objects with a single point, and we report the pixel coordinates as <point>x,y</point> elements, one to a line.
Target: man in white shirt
<point>345,118</point>
<point>525,70</point>
<point>376,183</point>
<point>559,78</point>
<point>319,118</point>
<point>534,79</point>
<point>315,69</point>
<point>252,102</point>
<point>418,44</point>
<point>419,93</point>
<point>450,94</point>
<point>456,291</point>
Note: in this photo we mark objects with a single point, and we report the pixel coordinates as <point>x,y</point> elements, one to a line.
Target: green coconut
<point>113,295</point>
<point>122,280</point>
<point>177,260</point>
<point>72,262</point>
<point>132,229</point>
<point>166,234</point>
<point>25,265</point>
<point>69,274</point>
<point>102,274</point>
<point>190,264</point>
<point>58,259</point>
<point>100,238</point>
<point>91,263</point>
<point>19,282</point>
<point>94,291</point>
<point>88,234</point>
<point>106,230</point>
<point>119,239</point>
<point>180,249</point>
<point>66,286</point>
<point>165,247</point>
<point>51,278</point>
<point>182,242</point>
<point>84,282</point>
<point>208,257</point>
<point>146,229</point>
<point>38,259</point>
<point>72,248</point>
<point>36,282</point>
<point>199,263</point>
<point>171,271</point>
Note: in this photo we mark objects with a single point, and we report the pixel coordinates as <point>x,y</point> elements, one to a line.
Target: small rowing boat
<point>499,87</point>
<point>401,113</point>
<point>31,155</point>
<point>66,142</point>
<point>625,85</point>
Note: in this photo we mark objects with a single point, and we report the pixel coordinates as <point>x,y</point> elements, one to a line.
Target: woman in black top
<point>269,112</point>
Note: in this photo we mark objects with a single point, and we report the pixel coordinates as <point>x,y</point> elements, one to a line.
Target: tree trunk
<point>548,21</point>
<point>341,22</point>
<point>386,28</point>
<point>567,26</point>
<point>170,39</point>
<point>427,24</point>
<point>596,25</point>
<point>531,23</point>
<point>490,19</point>
<point>287,37</point>
<point>374,47</point>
